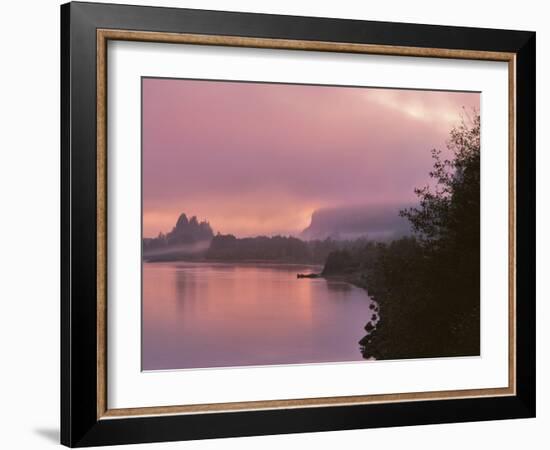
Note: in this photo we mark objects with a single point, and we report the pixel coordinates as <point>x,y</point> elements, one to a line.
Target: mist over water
<point>187,249</point>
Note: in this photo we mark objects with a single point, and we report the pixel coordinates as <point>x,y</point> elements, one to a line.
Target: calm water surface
<point>198,315</point>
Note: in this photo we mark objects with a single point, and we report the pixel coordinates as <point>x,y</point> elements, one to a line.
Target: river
<point>200,315</point>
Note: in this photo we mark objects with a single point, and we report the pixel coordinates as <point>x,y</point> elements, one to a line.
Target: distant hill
<point>331,229</point>
<point>379,223</point>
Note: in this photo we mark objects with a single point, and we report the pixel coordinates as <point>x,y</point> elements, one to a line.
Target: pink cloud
<point>259,158</point>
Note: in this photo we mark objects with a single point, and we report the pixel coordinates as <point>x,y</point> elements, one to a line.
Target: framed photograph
<point>277,224</point>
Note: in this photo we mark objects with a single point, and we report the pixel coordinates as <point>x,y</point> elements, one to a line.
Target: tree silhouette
<point>428,286</point>
<point>447,214</point>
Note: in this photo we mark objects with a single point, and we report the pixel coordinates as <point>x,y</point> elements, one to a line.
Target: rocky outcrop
<point>185,232</point>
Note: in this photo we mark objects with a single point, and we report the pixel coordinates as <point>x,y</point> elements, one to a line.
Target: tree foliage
<point>445,213</point>
<point>427,286</point>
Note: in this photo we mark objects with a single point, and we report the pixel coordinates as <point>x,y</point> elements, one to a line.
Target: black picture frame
<point>80,425</point>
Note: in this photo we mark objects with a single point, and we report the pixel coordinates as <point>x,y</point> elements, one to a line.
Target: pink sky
<point>258,158</point>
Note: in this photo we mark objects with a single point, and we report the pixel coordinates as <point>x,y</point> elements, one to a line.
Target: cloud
<point>254,157</point>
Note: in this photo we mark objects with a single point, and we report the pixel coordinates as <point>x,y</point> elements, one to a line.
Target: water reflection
<point>216,315</point>
<point>339,286</point>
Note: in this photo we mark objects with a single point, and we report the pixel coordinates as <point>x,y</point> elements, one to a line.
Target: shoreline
<point>372,324</point>
<point>243,261</point>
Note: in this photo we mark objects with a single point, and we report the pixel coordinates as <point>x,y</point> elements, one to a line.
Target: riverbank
<point>373,322</point>
<point>400,331</point>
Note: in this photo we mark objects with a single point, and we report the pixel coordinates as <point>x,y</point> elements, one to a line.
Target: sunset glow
<point>259,158</point>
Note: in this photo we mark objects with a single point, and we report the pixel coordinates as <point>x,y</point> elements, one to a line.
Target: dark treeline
<point>276,248</point>
<point>428,286</point>
<point>178,244</point>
